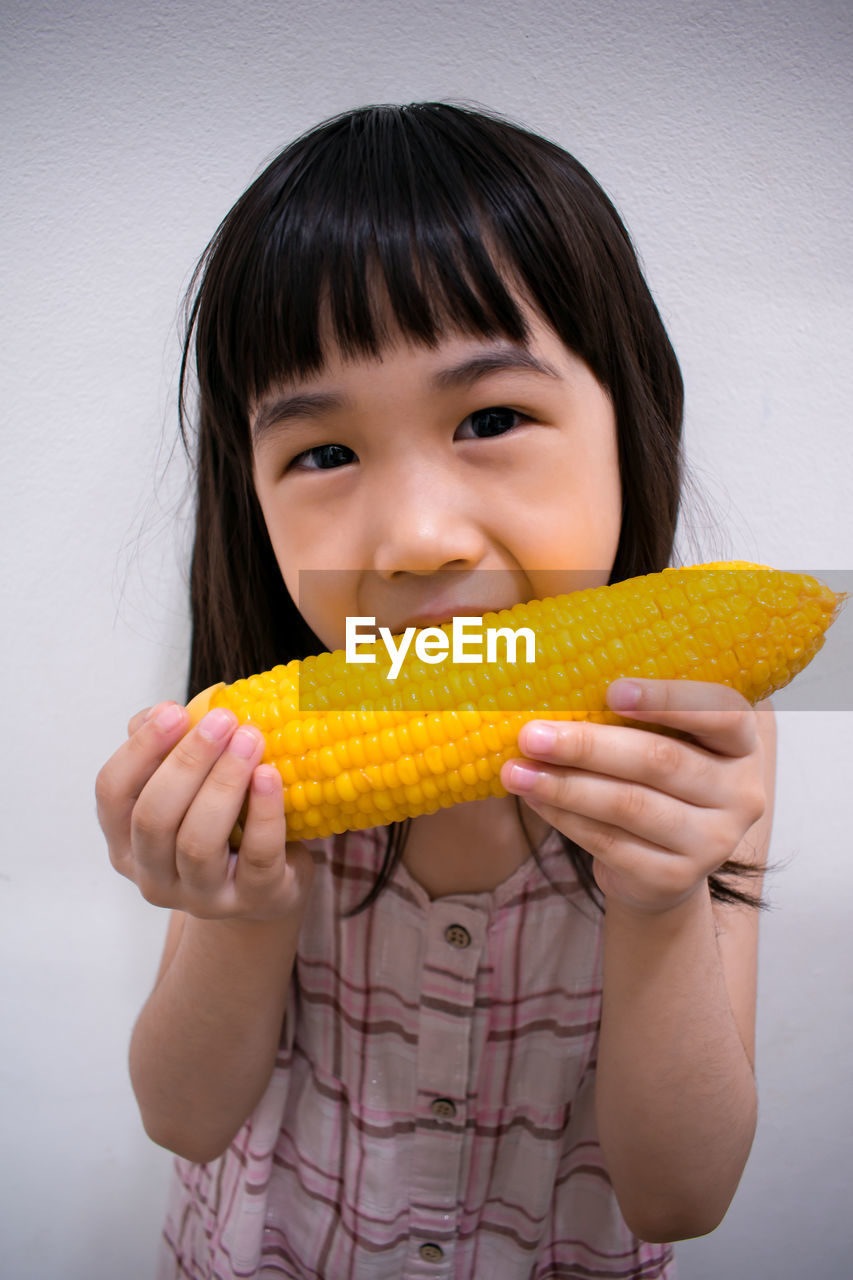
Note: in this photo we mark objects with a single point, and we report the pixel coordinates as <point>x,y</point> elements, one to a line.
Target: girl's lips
<point>437,616</point>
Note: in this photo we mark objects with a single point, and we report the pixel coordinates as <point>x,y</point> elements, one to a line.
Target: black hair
<point>456,212</point>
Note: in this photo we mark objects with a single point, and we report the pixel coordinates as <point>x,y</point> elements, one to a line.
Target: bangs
<point>413,214</point>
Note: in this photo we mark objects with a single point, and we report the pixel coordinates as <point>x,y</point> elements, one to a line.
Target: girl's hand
<point>168,800</point>
<point>658,814</point>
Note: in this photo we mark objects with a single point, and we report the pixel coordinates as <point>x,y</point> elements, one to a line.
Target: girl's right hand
<point>168,800</point>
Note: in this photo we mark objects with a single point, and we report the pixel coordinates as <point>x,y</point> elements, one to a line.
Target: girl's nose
<point>423,525</point>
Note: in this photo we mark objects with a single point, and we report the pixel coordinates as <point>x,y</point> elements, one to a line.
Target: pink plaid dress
<point>431,1113</point>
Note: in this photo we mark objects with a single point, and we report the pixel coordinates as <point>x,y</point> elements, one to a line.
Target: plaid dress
<point>431,1111</point>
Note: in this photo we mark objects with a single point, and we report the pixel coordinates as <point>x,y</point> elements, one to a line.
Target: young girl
<point>512,1038</point>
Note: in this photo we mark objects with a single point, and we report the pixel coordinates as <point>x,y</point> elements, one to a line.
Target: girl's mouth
<point>437,615</point>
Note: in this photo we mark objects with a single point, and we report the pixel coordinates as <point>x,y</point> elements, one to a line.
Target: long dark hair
<point>450,207</point>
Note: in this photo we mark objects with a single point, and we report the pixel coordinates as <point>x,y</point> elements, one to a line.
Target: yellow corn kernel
<point>356,750</point>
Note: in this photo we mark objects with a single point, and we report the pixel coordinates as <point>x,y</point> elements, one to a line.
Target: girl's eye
<point>494,421</point>
<point>497,420</point>
<point>323,457</point>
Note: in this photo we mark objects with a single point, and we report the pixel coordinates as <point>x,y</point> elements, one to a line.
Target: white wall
<point>723,133</point>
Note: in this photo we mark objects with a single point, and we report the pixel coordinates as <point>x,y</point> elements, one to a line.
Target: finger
<point>201,848</point>
<point>639,872</point>
<point>679,768</point>
<point>270,874</point>
<point>138,720</point>
<point>165,799</point>
<point>126,774</point>
<point>714,715</point>
<point>642,813</point>
<point>261,860</point>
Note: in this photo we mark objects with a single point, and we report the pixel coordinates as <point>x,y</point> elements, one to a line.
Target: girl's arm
<point>675,1093</point>
<point>204,1045</point>
<point>676,1098</point>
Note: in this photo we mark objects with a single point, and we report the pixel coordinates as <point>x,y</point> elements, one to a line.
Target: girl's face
<point>495,461</point>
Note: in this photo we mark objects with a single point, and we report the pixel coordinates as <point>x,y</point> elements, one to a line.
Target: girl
<point>513,1038</point>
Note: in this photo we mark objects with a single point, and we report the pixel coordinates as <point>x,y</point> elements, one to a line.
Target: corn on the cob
<point>368,752</point>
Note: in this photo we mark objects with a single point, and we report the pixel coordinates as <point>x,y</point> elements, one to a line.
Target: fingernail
<point>244,743</point>
<point>522,777</point>
<point>217,724</point>
<point>624,695</point>
<point>169,717</point>
<point>539,737</point>
<point>266,779</point>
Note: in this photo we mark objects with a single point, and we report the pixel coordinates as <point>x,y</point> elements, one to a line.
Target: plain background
<point>723,133</point>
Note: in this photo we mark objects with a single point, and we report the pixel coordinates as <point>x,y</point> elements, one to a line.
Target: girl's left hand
<point>658,814</point>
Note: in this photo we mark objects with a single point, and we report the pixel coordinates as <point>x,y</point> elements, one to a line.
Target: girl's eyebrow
<point>507,358</point>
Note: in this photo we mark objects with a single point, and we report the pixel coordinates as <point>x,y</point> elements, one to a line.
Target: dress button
<point>457,936</point>
<point>443,1108</point>
<point>431,1252</point>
